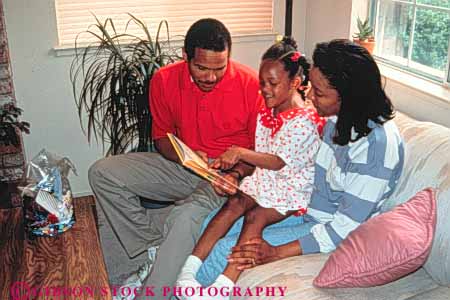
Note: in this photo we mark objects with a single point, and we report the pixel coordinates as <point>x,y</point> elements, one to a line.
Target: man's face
<point>208,67</point>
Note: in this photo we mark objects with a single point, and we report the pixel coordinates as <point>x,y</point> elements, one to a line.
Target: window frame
<point>176,35</point>
<point>373,13</point>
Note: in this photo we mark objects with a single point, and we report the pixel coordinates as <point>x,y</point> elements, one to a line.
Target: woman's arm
<point>258,252</point>
<point>255,221</point>
<point>370,176</point>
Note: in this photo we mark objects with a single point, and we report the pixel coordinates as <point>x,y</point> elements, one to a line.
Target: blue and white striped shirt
<point>351,182</point>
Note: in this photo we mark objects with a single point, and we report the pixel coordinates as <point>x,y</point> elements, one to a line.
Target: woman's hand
<point>228,159</point>
<point>224,189</point>
<point>252,253</point>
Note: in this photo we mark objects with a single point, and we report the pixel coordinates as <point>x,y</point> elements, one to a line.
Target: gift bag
<point>48,203</point>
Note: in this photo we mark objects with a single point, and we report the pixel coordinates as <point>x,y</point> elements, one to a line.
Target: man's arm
<point>162,118</point>
<point>234,175</point>
<point>165,148</point>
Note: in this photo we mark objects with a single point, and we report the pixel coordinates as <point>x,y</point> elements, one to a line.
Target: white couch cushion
<point>427,164</point>
<point>297,274</point>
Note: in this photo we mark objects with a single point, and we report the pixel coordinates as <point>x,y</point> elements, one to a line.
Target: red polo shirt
<point>207,121</point>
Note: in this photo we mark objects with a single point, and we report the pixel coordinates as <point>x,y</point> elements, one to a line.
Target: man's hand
<point>228,159</point>
<point>222,188</point>
<point>252,253</point>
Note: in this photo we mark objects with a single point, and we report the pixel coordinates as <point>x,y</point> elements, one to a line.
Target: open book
<point>194,162</point>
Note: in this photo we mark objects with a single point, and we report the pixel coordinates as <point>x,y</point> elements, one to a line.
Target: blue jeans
<point>288,230</point>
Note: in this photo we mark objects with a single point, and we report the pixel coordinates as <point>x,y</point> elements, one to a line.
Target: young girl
<point>287,140</point>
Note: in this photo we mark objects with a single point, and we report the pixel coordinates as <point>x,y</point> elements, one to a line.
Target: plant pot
<point>368,44</point>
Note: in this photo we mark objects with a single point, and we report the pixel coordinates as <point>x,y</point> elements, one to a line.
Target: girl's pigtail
<point>305,66</point>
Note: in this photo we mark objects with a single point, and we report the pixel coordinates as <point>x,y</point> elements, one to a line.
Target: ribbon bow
<point>295,56</point>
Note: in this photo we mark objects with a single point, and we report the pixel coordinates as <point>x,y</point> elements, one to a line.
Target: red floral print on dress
<point>302,211</point>
<point>268,120</point>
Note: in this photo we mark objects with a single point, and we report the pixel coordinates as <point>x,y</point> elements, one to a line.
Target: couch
<point>427,164</point>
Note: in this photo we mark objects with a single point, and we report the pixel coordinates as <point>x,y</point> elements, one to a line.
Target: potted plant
<point>364,36</point>
<point>11,150</point>
<point>11,127</point>
<point>114,73</point>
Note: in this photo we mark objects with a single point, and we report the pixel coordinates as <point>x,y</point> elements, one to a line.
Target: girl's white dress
<point>294,136</point>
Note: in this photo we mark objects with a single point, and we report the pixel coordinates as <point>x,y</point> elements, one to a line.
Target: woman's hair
<point>294,63</point>
<point>209,34</point>
<point>353,72</point>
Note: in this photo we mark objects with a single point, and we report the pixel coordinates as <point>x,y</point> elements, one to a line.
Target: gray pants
<point>118,181</point>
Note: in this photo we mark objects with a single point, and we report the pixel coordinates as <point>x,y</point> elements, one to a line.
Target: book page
<point>185,153</point>
<point>193,161</point>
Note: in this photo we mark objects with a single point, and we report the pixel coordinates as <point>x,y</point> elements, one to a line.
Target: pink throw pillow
<point>384,248</point>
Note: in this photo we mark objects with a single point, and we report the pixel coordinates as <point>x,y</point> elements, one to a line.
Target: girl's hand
<point>222,188</point>
<point>252,253</point>
<point>202,155</point>
<point>228,159</point>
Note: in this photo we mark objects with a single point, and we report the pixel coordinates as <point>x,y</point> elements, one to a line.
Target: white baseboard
<point>83,194</point>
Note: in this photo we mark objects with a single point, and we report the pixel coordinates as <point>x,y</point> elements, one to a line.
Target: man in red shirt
<point>210,102</point>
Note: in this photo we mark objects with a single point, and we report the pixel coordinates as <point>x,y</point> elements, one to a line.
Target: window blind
<point>241,17</point>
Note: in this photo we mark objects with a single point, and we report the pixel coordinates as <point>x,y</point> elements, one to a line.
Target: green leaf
<point>110,79</point>
<point>365,31</point>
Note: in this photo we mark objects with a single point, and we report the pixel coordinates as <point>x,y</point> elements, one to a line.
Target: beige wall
<point>418,104</point>
<point>330,19</point>
<point>43,88</point>
<point>325,20</point>
<point>44,91</point>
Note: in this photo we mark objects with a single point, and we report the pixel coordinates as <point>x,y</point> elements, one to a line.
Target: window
<point>414,35</point>
<point>242,17</point>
